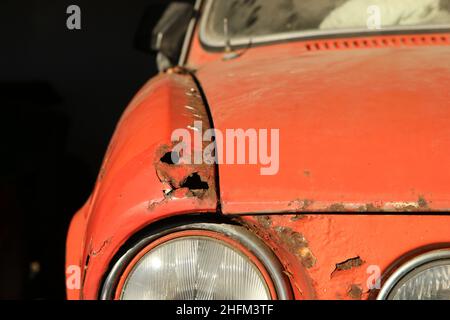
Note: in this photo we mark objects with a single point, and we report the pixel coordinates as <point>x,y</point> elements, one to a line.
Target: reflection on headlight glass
<point>195,268</point>
<point>430,284</point>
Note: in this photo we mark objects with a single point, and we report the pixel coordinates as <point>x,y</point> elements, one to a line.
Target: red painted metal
<point>359,127</point>
<point>129,194</point>
<point>316,262</point>
<point>363,128</point>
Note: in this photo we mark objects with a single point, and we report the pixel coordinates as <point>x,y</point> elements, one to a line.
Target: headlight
<point>198,265</point>
<point>426,277</point>
<point>194,268</point>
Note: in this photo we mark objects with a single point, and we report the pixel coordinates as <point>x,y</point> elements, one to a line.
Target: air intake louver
<point>378,42</point>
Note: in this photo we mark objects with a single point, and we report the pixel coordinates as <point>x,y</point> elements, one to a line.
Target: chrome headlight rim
<point>410,268</point>
<point>278,283</point>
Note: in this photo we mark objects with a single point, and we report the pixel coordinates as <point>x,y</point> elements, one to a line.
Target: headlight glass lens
<point>195,268</point>
<point>429,282</point>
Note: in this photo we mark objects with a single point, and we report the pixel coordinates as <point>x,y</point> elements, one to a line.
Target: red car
<point>287,150</point>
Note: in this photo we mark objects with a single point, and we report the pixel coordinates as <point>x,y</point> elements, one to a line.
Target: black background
<point>61,94</point>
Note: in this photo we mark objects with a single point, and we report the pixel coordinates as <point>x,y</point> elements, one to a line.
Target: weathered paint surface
<point>362,129</point>
<point>138,185</point>
<point>329,256</point>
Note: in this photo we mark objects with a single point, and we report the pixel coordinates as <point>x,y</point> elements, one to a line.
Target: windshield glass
<point>263,20</point>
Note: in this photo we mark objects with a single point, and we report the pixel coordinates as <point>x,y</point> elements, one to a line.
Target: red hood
<point>360,129</point>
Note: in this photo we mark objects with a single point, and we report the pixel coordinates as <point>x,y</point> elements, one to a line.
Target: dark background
<point>61,95</point>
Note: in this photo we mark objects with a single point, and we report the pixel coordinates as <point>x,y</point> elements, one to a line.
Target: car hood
<point>360,129</point>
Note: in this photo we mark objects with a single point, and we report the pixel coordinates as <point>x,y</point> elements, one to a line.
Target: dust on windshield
<point>246,19</point>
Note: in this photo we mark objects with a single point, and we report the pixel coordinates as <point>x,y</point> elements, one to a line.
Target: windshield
<point>243,21</point>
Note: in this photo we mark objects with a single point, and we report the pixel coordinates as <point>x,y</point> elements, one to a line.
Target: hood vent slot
<point>378,42</point>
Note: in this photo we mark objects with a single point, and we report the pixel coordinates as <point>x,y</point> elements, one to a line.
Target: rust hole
<point>195,182</point>
<point>170,158</point>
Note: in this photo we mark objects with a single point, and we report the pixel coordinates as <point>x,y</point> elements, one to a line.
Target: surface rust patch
<point>420,205</point>
<point>301,205</point>
<point>369,208</point>
<point>265,221</point>
<point>337,207</point>
<point>355,292</point>
<point>298,217</point>
<point>180,181</point>
<point>297,245</point>
<point>423,203</point>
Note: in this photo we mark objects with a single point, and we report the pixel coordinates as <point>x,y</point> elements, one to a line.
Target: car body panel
<point>361,129</point>
<point>135,187</point>
<point>342,257</point>
<point>329,102</point>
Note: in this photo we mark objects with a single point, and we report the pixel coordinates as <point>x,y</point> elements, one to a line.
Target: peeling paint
<point>421,205</point>
<point>153,204</point>
<point>348,265</point>
<point>94,253</point>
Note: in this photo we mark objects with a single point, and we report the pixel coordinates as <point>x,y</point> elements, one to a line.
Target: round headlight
<point>210,262</point>
<point>426,277</point>
<point>194,268</point>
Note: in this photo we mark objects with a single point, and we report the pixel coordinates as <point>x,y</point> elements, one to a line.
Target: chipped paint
<point>348,265</point>
<point>95,252</point>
